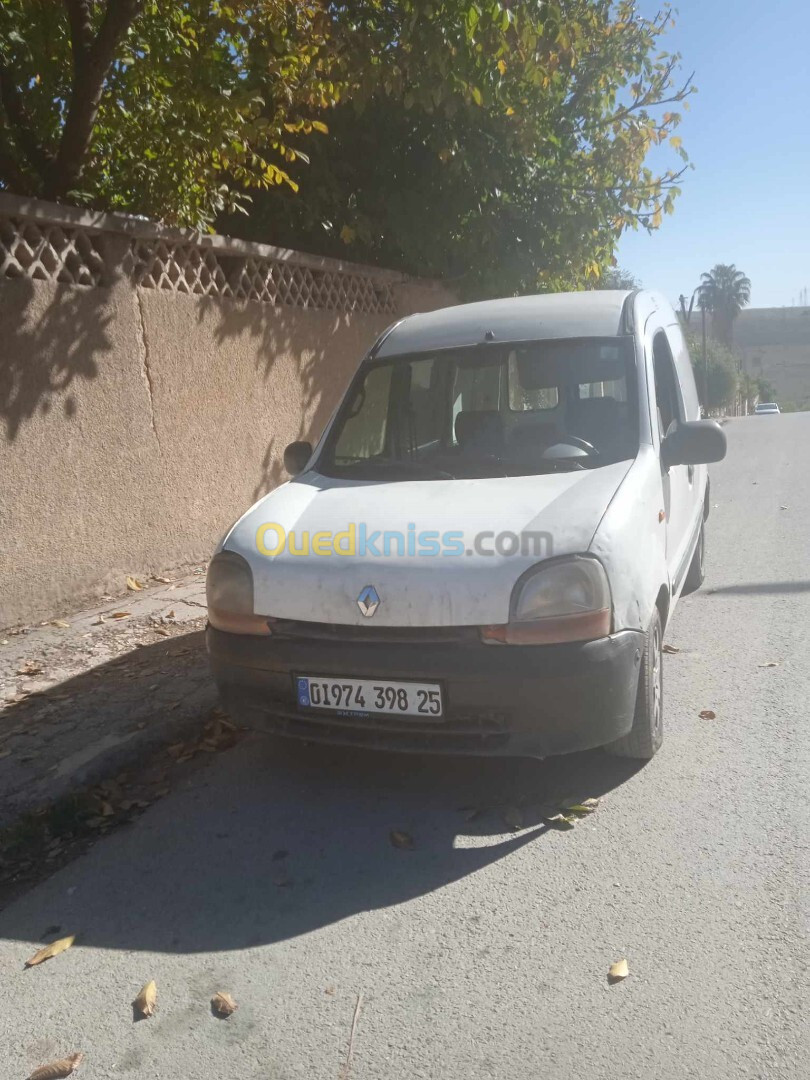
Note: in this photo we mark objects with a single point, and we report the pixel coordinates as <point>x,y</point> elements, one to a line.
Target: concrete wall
<point>138,423</point>
<point>774,343</point>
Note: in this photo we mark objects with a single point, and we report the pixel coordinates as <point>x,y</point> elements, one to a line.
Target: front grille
<point>293,629</point>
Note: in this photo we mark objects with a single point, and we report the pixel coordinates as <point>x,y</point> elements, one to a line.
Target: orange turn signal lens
<point>258,625</point>
<point>581,626</point>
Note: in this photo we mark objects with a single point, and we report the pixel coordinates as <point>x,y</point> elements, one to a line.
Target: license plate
<point>370,696</point>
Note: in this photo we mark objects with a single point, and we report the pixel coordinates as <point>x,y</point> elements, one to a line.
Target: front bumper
<point>532,700</point>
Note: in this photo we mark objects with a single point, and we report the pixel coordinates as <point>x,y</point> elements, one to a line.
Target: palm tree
<point>724,292</point>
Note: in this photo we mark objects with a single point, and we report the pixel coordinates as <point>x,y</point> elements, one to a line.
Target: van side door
<point>677,481</point>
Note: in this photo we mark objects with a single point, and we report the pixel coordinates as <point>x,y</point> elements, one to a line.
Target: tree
<point>724,292</point>
<point>160,107</point>
<point>766,391</point>
<point>719,377</point>
<point>500,147</point>
<point>500,144</point>
<point>616,278</point>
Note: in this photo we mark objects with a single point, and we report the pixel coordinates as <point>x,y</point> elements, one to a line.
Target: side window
<point>365,429</point>
<point>686,373</point>
<point>666,384</point>
<point>425,405</point>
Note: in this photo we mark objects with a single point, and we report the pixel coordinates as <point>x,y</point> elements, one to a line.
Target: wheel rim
<point>656,682</point>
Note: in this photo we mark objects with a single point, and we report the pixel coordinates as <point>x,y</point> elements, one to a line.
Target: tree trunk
<point>92,59</point>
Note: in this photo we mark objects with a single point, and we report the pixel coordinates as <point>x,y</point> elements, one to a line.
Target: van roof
<point>522,318</point>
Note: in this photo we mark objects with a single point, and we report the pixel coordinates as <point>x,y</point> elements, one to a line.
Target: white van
<point>483,550</point>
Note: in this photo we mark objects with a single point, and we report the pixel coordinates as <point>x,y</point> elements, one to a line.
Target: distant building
<point>774,343</point>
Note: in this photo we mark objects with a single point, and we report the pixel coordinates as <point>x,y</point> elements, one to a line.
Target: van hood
<point>467,582</point>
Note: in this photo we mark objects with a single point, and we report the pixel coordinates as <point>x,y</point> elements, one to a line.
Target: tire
<point>697,571</point>
<point>647,733</point>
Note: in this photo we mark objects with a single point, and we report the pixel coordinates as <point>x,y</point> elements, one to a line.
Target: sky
<point>747,133</point>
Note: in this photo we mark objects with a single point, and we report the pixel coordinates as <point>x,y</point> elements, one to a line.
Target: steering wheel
<point>580,444</point>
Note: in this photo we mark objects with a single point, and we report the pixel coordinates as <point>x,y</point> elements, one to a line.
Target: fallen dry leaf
<point>121,614</point>
<point>61,624</point>
<point>133,585</point>
<point>223,1004</point>
<point>401,839</point>
<point>671,649</point>
<point>771,663</point>
<point>146,1000</point>
<point>57,1070</point>
<point>98,621</point>
<point>783,508</point>
<point>50,951</point>
<point>561,821</point>
<point>513,816</point>
<point>329,990</point>
<point>707,714</point>
<point>162,580</point>
<point>170,614</point>
<point>582,809</point>
<point>30,667</point>
<point>163,633</point>
<point>618,971</point>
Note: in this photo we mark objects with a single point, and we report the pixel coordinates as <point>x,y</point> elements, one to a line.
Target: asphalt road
<point>480,953</point>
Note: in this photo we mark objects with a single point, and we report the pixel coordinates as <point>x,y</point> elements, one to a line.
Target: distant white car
<point>531,476</point>
<point>766,407</point>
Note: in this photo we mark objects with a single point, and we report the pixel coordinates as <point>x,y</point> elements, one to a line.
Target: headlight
<point>566,600</point>
<point>229,594</point>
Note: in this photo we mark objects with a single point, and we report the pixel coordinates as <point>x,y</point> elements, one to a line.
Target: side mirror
<point>296,456</point>
<point>693,442</point>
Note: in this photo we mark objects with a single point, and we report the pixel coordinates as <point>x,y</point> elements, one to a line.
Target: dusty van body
<point>482,552</point>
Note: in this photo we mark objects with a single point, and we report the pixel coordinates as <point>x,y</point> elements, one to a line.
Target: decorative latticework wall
<point>203,271</point>
<point>61,244</point>
<point>50,252</point>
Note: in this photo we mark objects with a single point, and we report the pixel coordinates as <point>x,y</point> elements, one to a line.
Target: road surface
<point>480,953</point>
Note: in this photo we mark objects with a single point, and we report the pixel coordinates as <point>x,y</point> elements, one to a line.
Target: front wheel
<point>647,732</point>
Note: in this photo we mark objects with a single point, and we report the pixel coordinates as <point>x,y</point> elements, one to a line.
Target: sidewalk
<point>82,697</point>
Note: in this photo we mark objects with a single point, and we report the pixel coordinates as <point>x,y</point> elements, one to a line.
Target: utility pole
<point>705,358</point>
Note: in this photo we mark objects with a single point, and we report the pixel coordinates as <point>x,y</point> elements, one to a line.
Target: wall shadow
<point>46,346</point>
<point>278,839</point>
<point>87,727</point>
<point>307,338</point>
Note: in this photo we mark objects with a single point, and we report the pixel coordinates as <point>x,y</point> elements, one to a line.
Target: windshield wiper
<point>544,465</point>
<point>421,468</point>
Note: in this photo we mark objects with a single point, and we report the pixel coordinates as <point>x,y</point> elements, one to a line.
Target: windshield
<point>501,410</point>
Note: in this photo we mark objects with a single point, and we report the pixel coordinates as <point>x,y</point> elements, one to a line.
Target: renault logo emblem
<point>368,601</point>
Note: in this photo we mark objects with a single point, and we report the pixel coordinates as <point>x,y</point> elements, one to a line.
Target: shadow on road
<point>761,588</point>
<point>86,726</point>
<point>275,839</point>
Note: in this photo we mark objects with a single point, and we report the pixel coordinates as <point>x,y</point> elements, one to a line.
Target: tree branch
<point>81,26</point>
<point>92,59</point>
